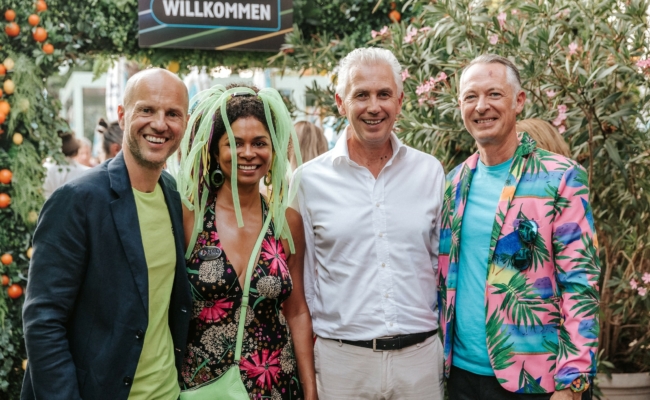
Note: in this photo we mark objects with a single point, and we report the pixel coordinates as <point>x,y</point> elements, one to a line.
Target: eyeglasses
<point>527,231</point>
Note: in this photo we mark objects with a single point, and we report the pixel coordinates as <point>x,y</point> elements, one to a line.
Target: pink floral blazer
<point>542,322</point>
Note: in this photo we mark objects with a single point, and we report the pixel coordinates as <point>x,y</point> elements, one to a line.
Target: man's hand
<point>566,394</point>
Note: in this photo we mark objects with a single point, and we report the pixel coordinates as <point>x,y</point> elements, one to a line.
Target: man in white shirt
<point>371,210</point>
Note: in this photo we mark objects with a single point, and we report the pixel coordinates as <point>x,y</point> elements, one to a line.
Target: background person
<point>224,167</point>
<point>371,210</point>
<point>545,134</point>
<point>108,302</point>
<point>57,175</point>
<point>111,138</point>
<point>85,154</point>
<point>519,266</point>
<point>311,140</point>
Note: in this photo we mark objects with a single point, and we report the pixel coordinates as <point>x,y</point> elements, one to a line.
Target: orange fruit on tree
<point>48,48</point>
<point>12,29</point>
<point>33,19</point>
<point>40,34</point>
<point>15,291</point>
<point>18,139</point>
<point>6,259</point>
<point>5,176</point>
<point>395,16</point>
<point>3,118</point>
<point>5,200</point>
<point>41,6</point>
<point>3,70</point>
<point>8,63</point>
<point>4,107</point>
<point>9,86</point>
<point>5,280</point>
<point>10,15</point>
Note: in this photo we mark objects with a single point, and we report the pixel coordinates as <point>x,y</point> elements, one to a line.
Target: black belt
<point>392,342</point>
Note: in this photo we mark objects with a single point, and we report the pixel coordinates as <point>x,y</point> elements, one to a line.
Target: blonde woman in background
<point>545,134</point>
<point>311,140</point>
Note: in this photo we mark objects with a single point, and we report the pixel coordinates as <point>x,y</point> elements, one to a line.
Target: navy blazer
<point>86,306</point>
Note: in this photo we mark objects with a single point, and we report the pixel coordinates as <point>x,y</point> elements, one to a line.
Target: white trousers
<point>347,372</point>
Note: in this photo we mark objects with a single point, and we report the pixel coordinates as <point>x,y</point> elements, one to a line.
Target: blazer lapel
<point>125,216</point>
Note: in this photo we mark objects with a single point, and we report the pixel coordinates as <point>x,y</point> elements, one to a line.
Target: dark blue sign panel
<point>258,25</point>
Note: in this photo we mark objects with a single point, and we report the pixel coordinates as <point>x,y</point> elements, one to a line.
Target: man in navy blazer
<point>108,301</point>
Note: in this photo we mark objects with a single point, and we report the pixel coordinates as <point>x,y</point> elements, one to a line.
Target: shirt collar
<point>341,152</point>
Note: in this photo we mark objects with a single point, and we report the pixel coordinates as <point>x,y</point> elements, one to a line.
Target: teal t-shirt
<point>470,347</point>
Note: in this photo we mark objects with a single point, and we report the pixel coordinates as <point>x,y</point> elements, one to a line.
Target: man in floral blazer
<point>518,259</point>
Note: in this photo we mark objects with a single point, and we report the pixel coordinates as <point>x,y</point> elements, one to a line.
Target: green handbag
<point>229,385</point>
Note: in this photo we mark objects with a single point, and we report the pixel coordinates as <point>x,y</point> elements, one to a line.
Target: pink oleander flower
<point>643,63</point>
<point>216,312</point>
<point>646,278</point>
<point>560,118</point>
<point>502,19</point>
<point>562,109</point>
<point>423,88</point>
<point>405,75</point>
<point>633,283</point>
<point>442,76</point>
<point>561,129</point>
<point>573,47</point>
<point>425,29</point>
<point>514,12</point>
<point>410,35</point>
<point>382,32</point>
<point>421,101</point>
<point>642,291</point>
<point>550,93</point>
<point>267,369</point>
<point>493,39</point>
<point>271,249</point>
<point>562,14</point>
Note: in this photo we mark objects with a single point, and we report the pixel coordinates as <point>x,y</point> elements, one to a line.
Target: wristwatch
<point>579,385</point>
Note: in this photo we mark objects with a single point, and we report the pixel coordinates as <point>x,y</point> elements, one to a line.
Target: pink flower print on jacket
<point>214,236</point>
<point>265,368</point>
<point>215,312</point>
<point>273,252</point>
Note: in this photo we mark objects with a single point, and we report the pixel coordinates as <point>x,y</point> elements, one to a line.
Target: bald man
<point>108,301</point>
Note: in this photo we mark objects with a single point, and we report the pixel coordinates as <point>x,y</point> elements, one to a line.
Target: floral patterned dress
<point>267,366</point>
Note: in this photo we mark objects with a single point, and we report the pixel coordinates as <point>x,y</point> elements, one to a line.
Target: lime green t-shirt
<point>155,377</point>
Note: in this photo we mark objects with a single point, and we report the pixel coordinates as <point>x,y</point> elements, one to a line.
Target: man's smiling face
<point>371,103</point>
<point>488,103</point>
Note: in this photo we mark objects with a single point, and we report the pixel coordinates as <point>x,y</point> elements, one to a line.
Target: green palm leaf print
<point>499,349</point>
<point>521,312</point>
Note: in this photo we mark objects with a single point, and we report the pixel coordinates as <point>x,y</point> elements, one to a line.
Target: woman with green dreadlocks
<point>242,242</point>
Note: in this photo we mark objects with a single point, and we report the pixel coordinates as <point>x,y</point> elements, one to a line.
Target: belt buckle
<point>374,343</point>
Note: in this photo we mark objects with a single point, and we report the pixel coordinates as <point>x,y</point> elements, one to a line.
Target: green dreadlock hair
<point>193,180</point>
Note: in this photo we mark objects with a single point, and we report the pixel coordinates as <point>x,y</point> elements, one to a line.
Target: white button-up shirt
<point>371,257</point>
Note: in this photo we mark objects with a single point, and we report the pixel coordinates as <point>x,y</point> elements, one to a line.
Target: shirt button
<point>377,204</point>
<point>383,265</point>
<point>139,334</point>
<point>386,295</point>
<point>128,380</point>
<point>391,324</point>
<point>381,235</point>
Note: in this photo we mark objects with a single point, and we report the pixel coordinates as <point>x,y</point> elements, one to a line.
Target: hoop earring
<point>217,178</point>
<point>267,178</point>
